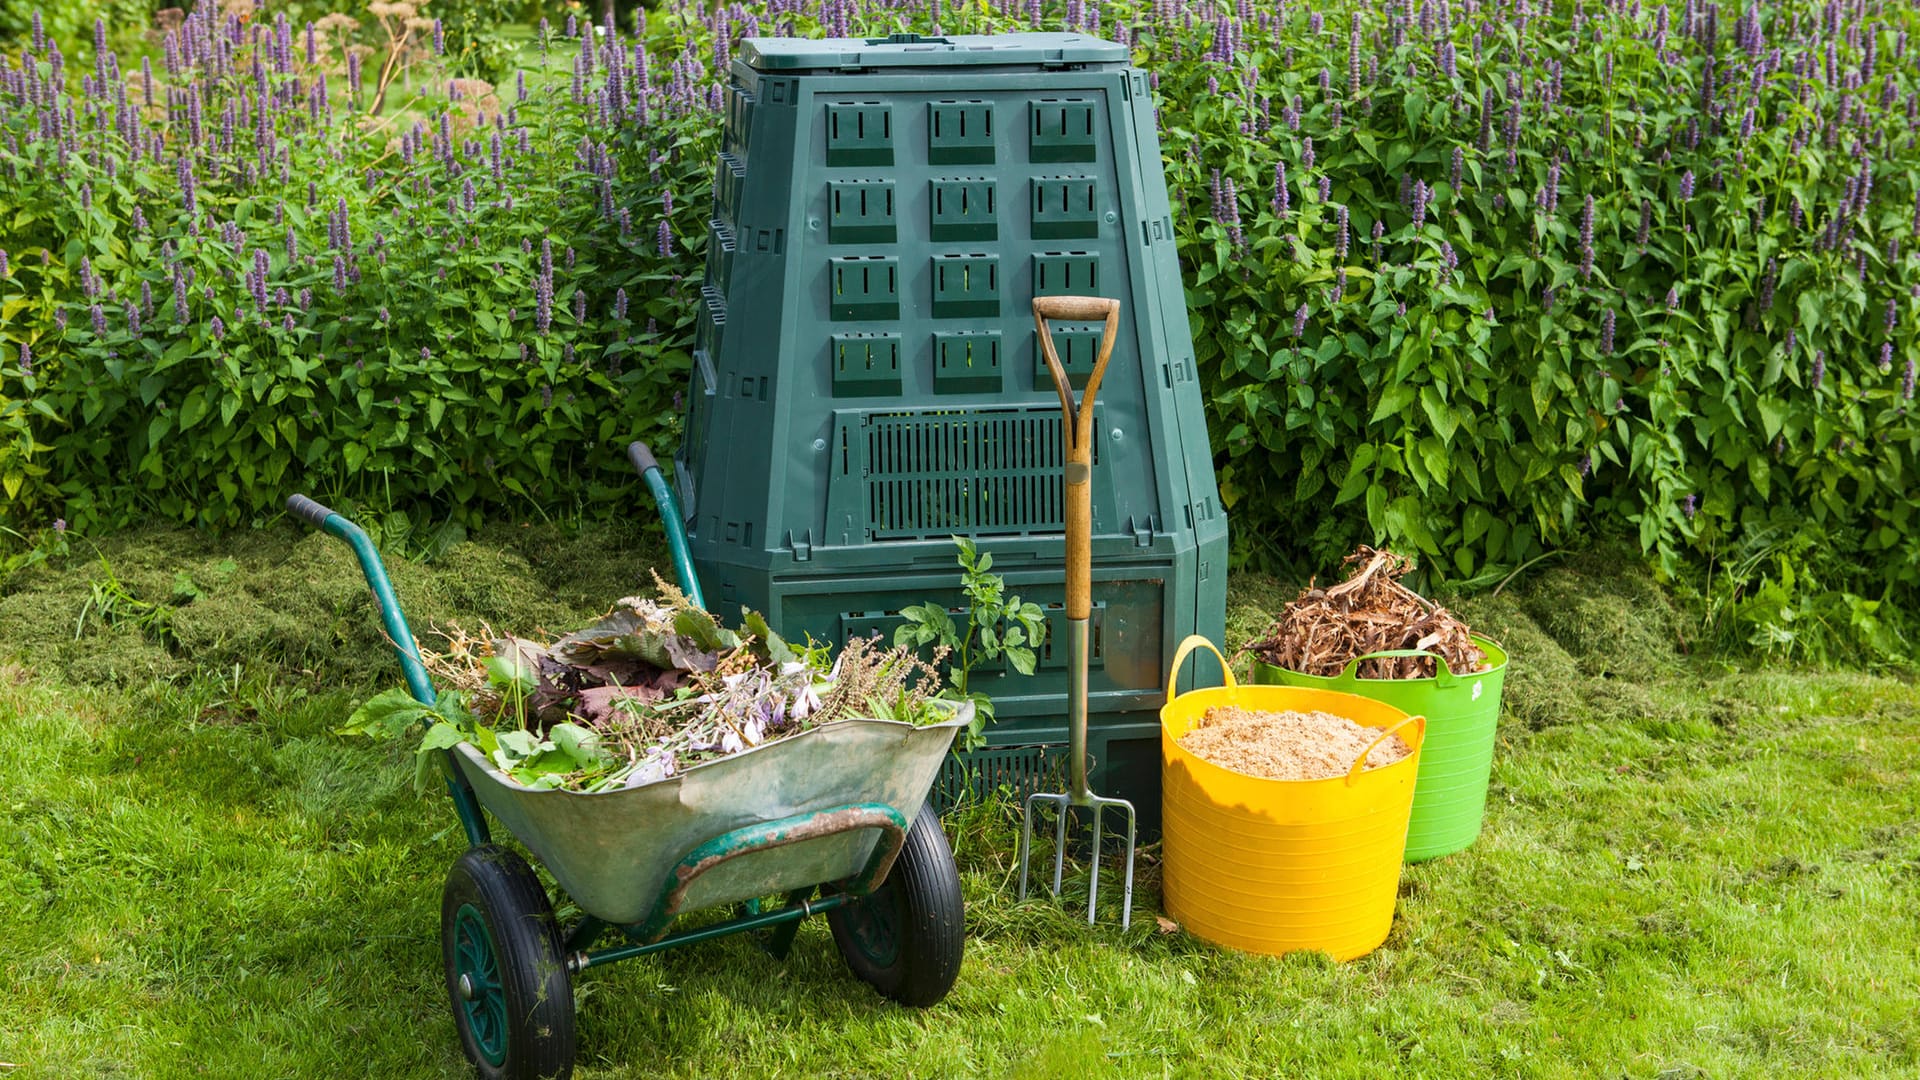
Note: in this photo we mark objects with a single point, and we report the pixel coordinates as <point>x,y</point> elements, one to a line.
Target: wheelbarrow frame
<point>653,932</point>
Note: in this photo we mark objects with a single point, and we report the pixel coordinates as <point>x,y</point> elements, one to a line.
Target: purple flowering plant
<point>326,262</point>
<point>1417,419</point>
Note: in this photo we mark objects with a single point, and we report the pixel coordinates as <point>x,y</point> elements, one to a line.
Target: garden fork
<point>1077,430</point>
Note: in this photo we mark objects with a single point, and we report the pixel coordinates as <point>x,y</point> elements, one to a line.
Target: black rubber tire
<point>907,938</point>
<point>535,989</point>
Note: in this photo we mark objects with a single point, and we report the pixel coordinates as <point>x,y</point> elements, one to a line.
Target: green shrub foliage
<point>226,281</point>
<point>1469,278</point>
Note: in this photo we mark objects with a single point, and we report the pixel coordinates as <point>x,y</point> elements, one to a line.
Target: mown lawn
<point>1687,870</point>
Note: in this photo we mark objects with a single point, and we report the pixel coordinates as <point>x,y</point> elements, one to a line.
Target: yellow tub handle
<point>1195,641</point>
<point>1353,771</point>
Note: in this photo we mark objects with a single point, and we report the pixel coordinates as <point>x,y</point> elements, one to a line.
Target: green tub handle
<point>1443,675</point>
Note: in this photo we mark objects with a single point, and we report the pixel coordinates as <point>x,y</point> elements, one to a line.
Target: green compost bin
<point>867,384</point>
<point>1456,758</point>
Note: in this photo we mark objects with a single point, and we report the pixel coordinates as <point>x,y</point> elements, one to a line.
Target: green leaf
<point>438,737</point>
<point>1357,476</point>
<point>1438,413</point>
<point>385,715</point>
<point>1392,401</point>
<point>1022,660</point>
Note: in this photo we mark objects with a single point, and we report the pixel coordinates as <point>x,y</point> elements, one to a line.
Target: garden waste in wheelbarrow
<point>833,818</point>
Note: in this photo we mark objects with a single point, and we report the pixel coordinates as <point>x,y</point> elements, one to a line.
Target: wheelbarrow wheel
<point>511,993</point>
<point>906,938</point>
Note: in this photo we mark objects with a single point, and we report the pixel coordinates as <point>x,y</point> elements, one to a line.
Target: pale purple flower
<point>1340,233</point>
<point>1606,333</point>
<point>1686,185</point>
<point>1689,505</point>
<point>1300,321</point>
<point>217,328</point>
<point>665,238</point>
<point>579,305</point>
<point>1819,367</point>
<point>620,305</point>
<point>1886,357</point>
<point>439,39</point>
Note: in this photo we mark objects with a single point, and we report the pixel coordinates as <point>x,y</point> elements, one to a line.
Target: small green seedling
<point>996,625</point>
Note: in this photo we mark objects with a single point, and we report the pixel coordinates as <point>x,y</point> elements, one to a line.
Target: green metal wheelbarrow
<point>835,820</point>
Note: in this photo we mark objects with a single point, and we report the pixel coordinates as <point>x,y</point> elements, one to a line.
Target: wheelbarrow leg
<point>780,941</point>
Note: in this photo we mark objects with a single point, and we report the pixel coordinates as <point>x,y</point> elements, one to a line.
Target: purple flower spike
<point>1686,185</point>
<point>579,305</point>
<point>1893,313</point>
<point>1906,384</point>
<point>1689,506</point>
<point>665,238</point>
<point>439,39</point>
<point>1819,367</point>
<point>217,328</point>
<point>1300,321</point>
<point>620,305</point>
<point>1886,354</point>
<point>1606,333</point>
<point>1340,235</point>
<point>26,350</point>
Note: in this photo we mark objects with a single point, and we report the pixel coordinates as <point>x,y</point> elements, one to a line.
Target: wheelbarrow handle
<point>391,617</point>
<point>678,549</point>
<point>401,636</point>
<point>641,456</point>
<point>308,511</point>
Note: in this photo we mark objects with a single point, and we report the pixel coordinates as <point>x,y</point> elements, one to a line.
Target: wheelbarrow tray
<point>614,851</point>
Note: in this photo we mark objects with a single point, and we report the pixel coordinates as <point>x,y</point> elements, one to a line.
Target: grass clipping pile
<point>1287,745</point>
<point>1371,611</point>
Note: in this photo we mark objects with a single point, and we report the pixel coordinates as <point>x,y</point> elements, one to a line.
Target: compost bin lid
<point>912,50</point>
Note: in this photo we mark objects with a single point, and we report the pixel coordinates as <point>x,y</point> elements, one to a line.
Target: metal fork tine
<point>1026,842</point>
<point>1093,864</point>
<point>1059,844</point>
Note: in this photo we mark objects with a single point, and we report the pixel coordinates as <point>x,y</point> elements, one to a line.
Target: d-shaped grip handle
<point>1076,430</point>
<point>1075,308</point>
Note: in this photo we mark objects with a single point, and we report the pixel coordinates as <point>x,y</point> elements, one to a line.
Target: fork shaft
<point>1077,708</point>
